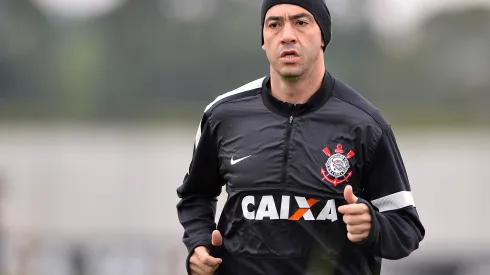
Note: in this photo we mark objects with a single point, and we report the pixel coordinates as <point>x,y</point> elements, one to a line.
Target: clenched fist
<point>357,217</point>
<point>201,263</point>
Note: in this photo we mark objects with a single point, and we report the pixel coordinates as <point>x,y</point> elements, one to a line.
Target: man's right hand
<point>201,263</point>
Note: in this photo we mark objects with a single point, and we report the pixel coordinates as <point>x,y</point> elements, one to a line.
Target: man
<point>315,181</point>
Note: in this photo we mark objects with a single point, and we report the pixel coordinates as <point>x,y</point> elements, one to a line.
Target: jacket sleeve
<point>199,191</point>
<point>396,229</point>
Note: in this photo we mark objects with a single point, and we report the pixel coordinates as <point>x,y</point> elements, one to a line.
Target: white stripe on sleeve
<point>394,201</point>
<point>198,136</point>
<point>247,87</point>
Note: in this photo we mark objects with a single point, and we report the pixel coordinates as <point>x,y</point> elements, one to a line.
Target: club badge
<point>337,168</point>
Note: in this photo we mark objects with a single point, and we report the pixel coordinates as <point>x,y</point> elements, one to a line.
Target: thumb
<point>216,239</point>
<point>349,195</point>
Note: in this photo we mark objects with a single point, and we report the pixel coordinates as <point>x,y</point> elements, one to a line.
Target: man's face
<point>292,40</point>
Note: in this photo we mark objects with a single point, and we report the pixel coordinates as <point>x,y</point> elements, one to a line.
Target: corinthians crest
<point>337,166</point>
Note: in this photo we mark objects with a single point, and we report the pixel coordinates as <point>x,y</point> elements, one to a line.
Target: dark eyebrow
<point>273,18</point>
<point>292,17</point>
<point>300,15</point>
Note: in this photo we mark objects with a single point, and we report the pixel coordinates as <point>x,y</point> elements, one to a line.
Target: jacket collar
<point>317,100</point>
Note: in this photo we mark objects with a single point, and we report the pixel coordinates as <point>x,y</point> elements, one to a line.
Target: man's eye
<point>273,25</point>
<point>302,23</point>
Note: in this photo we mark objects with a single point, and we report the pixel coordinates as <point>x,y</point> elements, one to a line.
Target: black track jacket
<point>285,168</point>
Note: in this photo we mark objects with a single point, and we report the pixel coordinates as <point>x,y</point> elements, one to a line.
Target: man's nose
<point>288,34</point>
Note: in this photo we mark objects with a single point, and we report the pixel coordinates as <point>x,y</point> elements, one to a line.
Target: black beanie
<point>317,8</point>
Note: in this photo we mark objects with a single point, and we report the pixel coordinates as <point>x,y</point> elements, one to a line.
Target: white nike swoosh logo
<point>235,161</point>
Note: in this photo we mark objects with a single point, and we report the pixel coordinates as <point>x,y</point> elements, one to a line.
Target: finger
<point>216,238</point>
<point>199,254</point>
<point>356,237</point>
<point>357,219</point>
<point>354,209</point>
<point>359,229</point>
<point>349,195</point>
<point>204,266</point>
<point>210,260</point>
<point>208,269</point>
<point>204,257</point>
<point>195,259</point>
<point>196,269</point>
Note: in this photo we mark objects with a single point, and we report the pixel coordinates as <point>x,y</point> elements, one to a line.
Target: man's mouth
<point>289,54</point>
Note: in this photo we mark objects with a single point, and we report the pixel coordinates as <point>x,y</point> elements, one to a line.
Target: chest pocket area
<point>327,167</point>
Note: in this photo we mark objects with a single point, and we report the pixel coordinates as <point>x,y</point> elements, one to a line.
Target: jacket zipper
<point>286,149</point>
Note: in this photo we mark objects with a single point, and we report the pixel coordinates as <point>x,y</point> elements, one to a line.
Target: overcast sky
<point>403,15</point>
<point>388,15</point>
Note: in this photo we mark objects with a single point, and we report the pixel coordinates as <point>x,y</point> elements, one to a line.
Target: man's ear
<point>323,44</point>
<point>263,47</point>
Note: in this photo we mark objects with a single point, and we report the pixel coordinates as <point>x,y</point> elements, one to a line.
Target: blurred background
<point>100,101</point>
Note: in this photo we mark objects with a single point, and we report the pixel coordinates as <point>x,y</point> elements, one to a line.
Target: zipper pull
<point>290,119</point>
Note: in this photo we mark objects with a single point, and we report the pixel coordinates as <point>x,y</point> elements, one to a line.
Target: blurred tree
<point>143,61</point>
<point>23,37</point>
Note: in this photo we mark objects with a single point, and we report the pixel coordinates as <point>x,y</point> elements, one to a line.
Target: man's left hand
<point>357,217</point>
